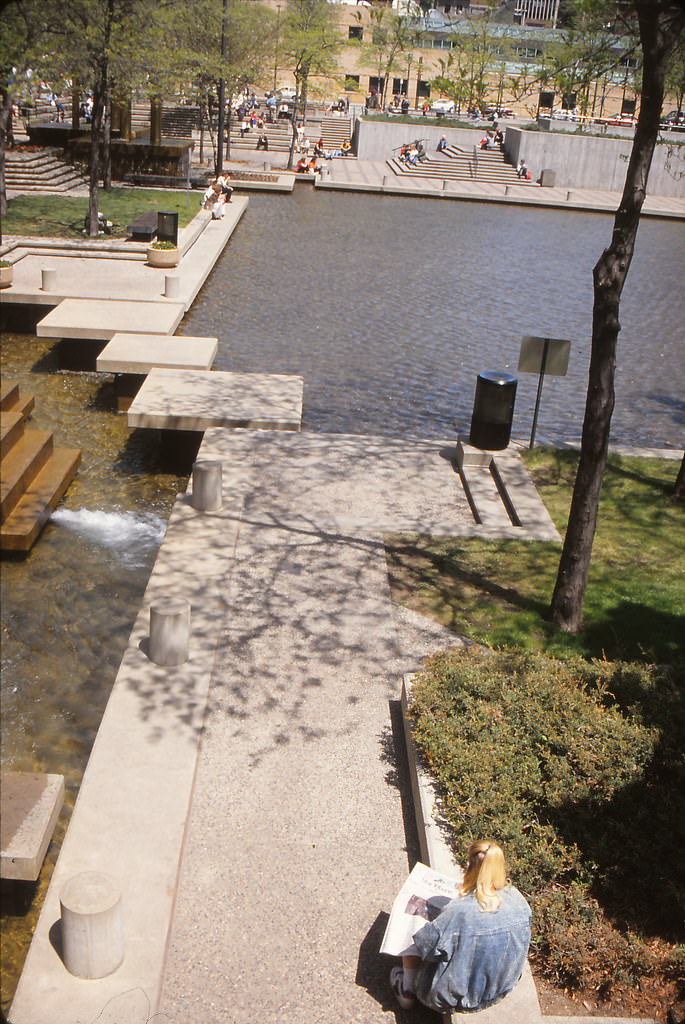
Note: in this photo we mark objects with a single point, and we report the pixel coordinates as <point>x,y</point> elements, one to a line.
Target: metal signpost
<point>543,355</point>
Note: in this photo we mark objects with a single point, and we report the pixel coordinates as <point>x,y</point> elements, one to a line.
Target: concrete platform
<point>101,319</point>
<point>139,353</point>
<point>29,808</point>
<point>116,269</point>
<point>196,401</point>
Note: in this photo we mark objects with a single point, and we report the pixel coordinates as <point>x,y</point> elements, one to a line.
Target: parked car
<point>443,106</point>
<point>286,92</point>
<point>564,115</point>
<point>618,120</point>
<point>675,121</point>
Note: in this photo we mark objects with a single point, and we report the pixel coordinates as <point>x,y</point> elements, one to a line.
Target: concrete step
<point>21,528</point>
<point>20,465</point>
<point>12,401</point>
<point>11,430</point>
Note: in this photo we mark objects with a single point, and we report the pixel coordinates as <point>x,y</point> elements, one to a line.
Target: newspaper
<point>422,897</point>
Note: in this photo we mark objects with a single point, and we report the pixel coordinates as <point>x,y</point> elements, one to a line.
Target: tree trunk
<point>107,143</point>
<point>96,127</point>
<point>658,34</point>
<point>5,132</point>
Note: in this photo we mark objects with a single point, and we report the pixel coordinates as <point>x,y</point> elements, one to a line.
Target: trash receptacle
<point>493,410</point>
<point>167,226</point>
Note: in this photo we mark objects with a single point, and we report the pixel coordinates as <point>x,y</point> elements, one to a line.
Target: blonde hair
<point>486,873</point>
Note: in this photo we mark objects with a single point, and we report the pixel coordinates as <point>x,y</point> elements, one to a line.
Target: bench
<point>143,228</point>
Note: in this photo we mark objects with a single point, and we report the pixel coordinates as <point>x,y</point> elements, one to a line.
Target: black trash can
<point>493,410</point>
<point>167,226</point>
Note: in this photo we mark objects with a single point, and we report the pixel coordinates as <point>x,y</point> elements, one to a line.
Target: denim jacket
<point>473,958</point>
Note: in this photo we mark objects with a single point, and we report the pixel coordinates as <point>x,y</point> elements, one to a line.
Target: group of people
<point>472,954</point>
<point>493,139</point>
<point>216,196</point>
<point>413,153</point>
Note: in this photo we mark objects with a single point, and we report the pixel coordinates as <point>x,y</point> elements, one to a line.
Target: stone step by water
<point>35,475</point>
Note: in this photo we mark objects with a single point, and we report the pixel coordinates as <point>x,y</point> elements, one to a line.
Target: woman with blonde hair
<point>473,953</point>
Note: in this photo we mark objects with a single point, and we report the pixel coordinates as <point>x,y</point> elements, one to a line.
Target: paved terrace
<point>252,803</point>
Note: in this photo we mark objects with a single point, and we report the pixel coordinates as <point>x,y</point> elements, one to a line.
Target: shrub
<point>163,245</point>
<point>576,768</point>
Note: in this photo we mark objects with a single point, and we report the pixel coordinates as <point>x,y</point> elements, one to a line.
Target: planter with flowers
<point>6,274</point>
<point>163,254</point>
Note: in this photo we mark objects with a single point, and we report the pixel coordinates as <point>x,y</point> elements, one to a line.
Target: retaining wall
<point>579,161</point>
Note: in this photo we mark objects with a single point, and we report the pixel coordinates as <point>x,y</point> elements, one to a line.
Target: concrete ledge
<point>31,805</point>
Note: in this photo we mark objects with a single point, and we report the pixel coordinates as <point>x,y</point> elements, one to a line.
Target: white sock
<point>409,979</point>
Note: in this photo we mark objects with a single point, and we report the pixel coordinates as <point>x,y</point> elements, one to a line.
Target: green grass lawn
<point>498,591</point>
<point>62,216</point>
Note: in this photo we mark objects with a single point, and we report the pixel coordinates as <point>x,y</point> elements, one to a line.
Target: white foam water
<point>127,535</point>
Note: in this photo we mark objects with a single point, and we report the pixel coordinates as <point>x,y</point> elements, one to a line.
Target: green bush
<point>576,768</point>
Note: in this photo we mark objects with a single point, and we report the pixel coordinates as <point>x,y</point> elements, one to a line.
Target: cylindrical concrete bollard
<point>267,165</point>
<point>385,180</point>
<point>207,486</point>
<point>169,631</point>
<point>172,286</point>
<point>92,925</point>
<point>444,184</point>
<point>569,195</point>
<point>507,190</point>
<point>48,280</point>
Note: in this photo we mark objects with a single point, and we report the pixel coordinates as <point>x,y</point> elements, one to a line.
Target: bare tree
<point>661,24</point>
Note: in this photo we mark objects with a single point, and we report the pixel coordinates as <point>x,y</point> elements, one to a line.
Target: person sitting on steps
<point>472,955</point>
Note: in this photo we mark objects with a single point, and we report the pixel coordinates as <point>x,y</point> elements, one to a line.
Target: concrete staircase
<point>462,165</point>
<point>34,475</point>
<point>40,170</point>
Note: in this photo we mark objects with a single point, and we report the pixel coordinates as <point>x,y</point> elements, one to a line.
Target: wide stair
<point>40,170</point>
<point>333,130</point>
<point>34,475</point>
<point>455,164</point>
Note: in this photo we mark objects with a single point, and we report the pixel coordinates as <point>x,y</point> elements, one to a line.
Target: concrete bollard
<point>169,631</point>
<point>48,280</point>
<point>385,180</point>
<point>444,184</point>
<point>267,165</point>
<point>207,480</point>
<point>92,925</point>
<point>569,195</point>
<point>507,190</point>
<point>172,286</point>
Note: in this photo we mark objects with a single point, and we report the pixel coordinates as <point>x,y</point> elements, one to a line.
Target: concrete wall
<point>378,139</point>
<point>579,161</point>
<point>587,162</point>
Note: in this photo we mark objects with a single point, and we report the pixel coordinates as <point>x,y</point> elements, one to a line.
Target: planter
<point>6,276</point>
<point>162,257</point>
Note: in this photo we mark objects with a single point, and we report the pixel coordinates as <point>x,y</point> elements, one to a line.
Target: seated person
<point>412,155</point>
<point>319,148</point>
<point>473,953</point>
<point>421,152</point>
<point>302,166</point>
<point>226,189</point>
<point>213,200</point>
<point>313,166</point>
<point>499,138</point>
<point>262,142</point>
<point>522,170</point>
<point>442,144</point>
